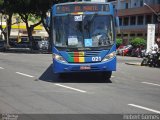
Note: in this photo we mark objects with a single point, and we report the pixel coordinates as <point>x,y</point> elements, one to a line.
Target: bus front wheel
<point>63,75</point>
<point>107,75</point>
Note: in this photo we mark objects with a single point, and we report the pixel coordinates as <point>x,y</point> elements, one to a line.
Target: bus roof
<point>83,2</point>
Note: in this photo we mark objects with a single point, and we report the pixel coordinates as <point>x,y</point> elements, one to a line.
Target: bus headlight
<point>59,58</point>
<point>109,56</point>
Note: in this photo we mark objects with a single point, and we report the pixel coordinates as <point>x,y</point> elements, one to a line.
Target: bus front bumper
<point>59,67</point>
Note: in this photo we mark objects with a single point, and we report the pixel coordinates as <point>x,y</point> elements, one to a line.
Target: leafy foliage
<point>1,2</point>
<point>137,42</point>
<point>118,42</point>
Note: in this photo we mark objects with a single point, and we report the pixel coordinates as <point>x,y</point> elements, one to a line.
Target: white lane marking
<point>1,68</point>
<point>24,74</point>
<point>150,83</point>
<point>112,76</point>
<point>141,107</point>
<point>71,88</point>
<point>3,54</point>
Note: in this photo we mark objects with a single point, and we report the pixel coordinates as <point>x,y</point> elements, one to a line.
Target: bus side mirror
<point>47,21</point>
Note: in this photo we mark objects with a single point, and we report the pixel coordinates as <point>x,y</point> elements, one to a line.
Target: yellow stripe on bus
<point>81,59</point>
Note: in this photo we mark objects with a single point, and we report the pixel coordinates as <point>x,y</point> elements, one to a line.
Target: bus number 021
<point>96,58</point>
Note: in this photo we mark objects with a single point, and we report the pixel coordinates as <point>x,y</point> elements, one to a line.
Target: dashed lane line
<point>71,88</point>
<point>144,108</point>
<point>150,83</point>
<point>25,74</point>
<point>1,68</point>
<point>3,54</point>
<point>112,76</point>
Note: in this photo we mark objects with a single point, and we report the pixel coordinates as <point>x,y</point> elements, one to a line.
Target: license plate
<point>85,67</point>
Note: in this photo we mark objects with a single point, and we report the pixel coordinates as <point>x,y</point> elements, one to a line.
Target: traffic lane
<point>27,63</point>
<point>37,64</point>
<point>143,73</point>
<point>130,84</point>
<point>72,81</point>
<point>24,95</point>
<point>125,89</point>
<point>124,59</point>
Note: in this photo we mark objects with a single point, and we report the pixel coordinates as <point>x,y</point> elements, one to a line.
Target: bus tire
<point>107,75</point>
<point>62,75</point>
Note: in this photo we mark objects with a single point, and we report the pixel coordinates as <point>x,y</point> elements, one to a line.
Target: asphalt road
<point>28,86</point>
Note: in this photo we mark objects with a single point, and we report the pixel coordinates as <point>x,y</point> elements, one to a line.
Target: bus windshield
<point>83,31</point>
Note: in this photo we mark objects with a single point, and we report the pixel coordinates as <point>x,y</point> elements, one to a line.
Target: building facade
<point>134,17</point>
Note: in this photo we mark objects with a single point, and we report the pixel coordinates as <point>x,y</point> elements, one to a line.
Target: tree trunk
<point>9,24</point>
<point>29,29</point>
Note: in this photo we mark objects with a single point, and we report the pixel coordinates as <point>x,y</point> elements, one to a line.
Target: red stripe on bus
<point>76,58</point>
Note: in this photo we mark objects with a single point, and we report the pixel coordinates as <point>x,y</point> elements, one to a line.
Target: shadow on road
<point>49,76</point>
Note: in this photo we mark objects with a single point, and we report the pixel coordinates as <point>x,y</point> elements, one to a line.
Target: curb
<point>136,64</point>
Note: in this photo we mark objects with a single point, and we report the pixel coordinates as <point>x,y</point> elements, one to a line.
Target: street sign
<point>150,36</point>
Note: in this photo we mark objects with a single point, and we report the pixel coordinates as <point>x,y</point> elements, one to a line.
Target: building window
<point>126,21</point>
<point>140,35</point>
<point>120,21</point>
<point>125,35</point>
<point>148,19</point>
<point>140,20</point>
<point>141,3</point>
<point>135,4</point>
<point>126,6</point>
<point>155,21</point>
<point>118,35</point>
<point>132,35</point>
<point>133,20</point>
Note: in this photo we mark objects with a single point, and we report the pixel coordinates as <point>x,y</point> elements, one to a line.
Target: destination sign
<point>72,8</point>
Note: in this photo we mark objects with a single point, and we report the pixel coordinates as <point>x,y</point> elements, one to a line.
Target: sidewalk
<point>132,63</point>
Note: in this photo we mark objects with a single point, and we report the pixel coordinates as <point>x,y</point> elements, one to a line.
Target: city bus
<point>83,35</point>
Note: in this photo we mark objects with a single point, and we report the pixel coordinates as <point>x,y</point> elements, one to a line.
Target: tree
<point>7,12</point>
<point>118,42</point>
<point>29,9</point>
<point>137,42</point>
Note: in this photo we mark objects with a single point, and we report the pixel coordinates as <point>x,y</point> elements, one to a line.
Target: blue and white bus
<point>83,35</point>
